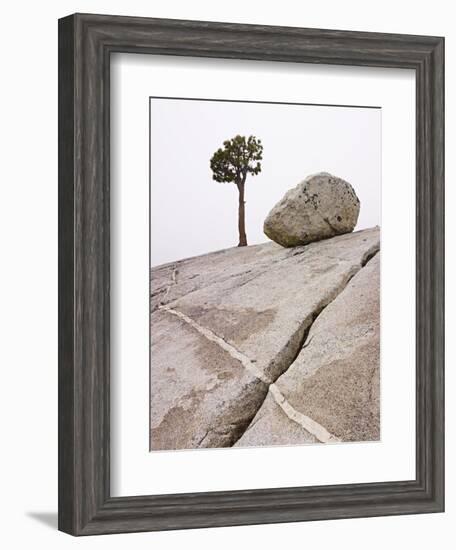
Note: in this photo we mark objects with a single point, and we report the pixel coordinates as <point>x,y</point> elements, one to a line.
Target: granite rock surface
<point>251,345</point>
<point>319,207</point>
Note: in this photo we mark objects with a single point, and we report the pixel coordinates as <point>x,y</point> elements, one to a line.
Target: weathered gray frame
<point>85,45</point>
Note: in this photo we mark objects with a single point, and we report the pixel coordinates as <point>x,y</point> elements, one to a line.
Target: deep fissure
<point>303,340</point>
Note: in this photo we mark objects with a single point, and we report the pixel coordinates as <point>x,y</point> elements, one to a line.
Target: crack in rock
<point>247,363</point>
<point>318,431</point>
<point>304,421</point>
<point>172,283</point>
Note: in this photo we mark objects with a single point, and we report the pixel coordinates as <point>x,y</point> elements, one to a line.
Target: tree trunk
<point>241,215</point>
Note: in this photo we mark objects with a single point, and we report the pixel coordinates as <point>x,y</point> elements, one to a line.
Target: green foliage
<point>238,157</point>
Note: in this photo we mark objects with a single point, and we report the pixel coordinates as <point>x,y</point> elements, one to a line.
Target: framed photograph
<point>251,274</point>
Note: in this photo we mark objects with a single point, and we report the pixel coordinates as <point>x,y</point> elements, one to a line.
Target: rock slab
<point>319,207</point>
<point>335,379</point>
<point>226,325</point>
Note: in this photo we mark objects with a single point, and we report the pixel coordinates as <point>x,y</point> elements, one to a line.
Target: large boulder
<point>319,207</point>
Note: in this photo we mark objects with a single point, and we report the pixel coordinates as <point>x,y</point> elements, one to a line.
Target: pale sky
<point>192,214</point>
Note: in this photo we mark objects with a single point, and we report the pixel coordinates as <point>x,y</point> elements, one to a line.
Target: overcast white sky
<point>192,214</point>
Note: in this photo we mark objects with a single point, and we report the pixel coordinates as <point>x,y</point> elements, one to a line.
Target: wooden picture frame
<point>85,45</point>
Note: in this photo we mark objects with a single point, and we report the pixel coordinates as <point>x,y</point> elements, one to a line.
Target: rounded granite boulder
<point>319,207</point>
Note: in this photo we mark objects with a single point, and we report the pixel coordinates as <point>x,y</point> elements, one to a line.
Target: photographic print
<point>264,273</point>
